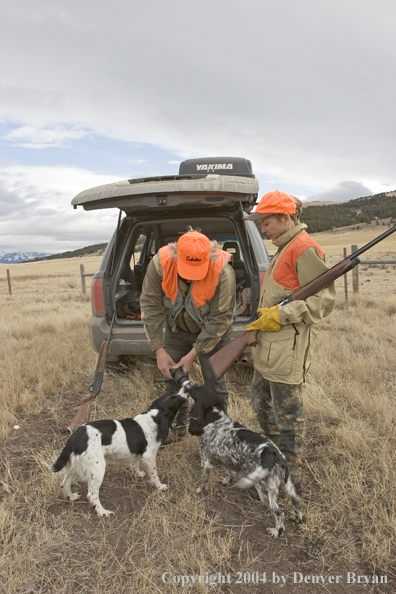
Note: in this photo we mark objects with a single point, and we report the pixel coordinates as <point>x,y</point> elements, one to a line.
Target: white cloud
<point>137,161</point>
<point>315,101</point>
<point>349,190</point>
<point>305,90</point>
<point>47,181</point>
<point>37,214</point>
<point>31,137</point>
<point>344,191</point>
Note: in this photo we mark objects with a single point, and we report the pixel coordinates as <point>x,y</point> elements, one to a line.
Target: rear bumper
<point>125,340</point>
<point>132,340</point>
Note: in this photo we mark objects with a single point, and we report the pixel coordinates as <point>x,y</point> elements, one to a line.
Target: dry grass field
<point>48,545</point>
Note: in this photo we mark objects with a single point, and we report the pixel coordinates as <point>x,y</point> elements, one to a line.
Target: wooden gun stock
<point>82,415</point>
<point>225,357</point>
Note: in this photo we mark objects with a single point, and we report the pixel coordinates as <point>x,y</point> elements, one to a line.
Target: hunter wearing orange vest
<point>282,356</point>
<point>189,288</point>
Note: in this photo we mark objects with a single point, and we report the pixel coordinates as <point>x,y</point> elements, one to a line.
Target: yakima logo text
<point>214,166</point>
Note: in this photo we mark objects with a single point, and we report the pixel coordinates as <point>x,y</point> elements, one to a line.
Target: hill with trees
<point>341,214</point>
<point>85,251</point>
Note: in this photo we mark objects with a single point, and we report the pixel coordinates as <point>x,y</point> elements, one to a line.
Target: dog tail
<point>76,444</point>
<point>252,478</point>
<point>63,458</point>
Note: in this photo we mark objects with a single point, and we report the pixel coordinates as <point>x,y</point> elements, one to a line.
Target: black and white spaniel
<point>129,441</point>
<point>252,460</point>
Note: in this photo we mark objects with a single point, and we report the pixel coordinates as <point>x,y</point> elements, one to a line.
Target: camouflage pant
<point>279,410</point>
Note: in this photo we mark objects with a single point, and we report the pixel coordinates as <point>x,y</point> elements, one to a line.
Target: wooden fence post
<point>83,286</point>
<point>9,281</point>
<point>345,278</point>
<point>355,273</point>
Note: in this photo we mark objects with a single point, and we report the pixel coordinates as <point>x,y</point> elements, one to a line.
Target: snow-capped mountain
<point>14,257</point>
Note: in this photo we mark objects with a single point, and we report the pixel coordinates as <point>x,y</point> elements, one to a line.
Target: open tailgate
<point>171,191</point>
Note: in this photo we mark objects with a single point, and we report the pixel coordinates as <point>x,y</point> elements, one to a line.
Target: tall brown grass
<point>48,545</point>
<point>351,407</point>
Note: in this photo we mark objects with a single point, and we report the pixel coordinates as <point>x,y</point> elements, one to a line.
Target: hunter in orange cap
<point>189,288</point>
<point>273,203</point>
<point>286,333</point>
<point>193,252</point>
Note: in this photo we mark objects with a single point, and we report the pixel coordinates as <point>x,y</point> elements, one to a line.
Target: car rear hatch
<point>170,192</point>
<point>201,183</point>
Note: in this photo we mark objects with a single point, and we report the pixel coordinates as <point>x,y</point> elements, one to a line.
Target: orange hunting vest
<point>285,272</point>
<point>202,290</point>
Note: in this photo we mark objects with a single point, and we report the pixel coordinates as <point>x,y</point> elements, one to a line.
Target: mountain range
<point>15,257</point>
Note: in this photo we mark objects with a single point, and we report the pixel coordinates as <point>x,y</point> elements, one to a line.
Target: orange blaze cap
<point>273,203</point>
<point>193,251</point>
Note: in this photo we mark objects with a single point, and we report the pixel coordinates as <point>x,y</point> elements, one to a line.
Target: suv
<point>209,194</point>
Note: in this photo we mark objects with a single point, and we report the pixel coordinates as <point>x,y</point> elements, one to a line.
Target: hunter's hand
<point>269,321</point>
<point>164,361</point>
<point>186,362</point>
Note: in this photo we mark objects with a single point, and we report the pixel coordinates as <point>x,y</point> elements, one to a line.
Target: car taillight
<point>97,295</point>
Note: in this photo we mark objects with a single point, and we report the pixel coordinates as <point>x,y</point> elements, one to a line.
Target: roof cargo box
<point>221,165</point>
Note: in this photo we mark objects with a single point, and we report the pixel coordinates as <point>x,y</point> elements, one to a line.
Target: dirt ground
<point>289,564</point>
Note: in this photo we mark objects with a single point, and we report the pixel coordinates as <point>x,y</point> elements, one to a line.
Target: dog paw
<point>296,517</point>
<point>74,497</point>
<point>226,481</point>
<point>163,487</point>
<point>273,532</point>
<point>104,513</point>
<point>140,474</point>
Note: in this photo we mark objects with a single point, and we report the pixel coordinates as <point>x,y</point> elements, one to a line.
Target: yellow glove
<point>269,321</point>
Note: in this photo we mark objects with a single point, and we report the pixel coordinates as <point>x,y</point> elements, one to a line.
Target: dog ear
<point>164,421</point>
<point>168,409</point>
<point>196,424</point>
<point>163,427</point>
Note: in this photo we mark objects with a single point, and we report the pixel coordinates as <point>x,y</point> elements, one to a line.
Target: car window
<point>146,238</point>
<point>231,245</point>
<point>137,250</point>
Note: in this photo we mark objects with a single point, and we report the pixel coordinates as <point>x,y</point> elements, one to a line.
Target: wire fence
<point>355,273</point>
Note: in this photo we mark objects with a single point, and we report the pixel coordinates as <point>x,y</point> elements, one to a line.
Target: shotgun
<point>226,356</point>
<point>82,415</point>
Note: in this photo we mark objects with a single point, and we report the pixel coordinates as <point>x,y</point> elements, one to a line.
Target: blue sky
<point>89,151</point>
<point>92,92</point>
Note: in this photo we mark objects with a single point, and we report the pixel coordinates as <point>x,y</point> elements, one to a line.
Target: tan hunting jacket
<point>285,356</point>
